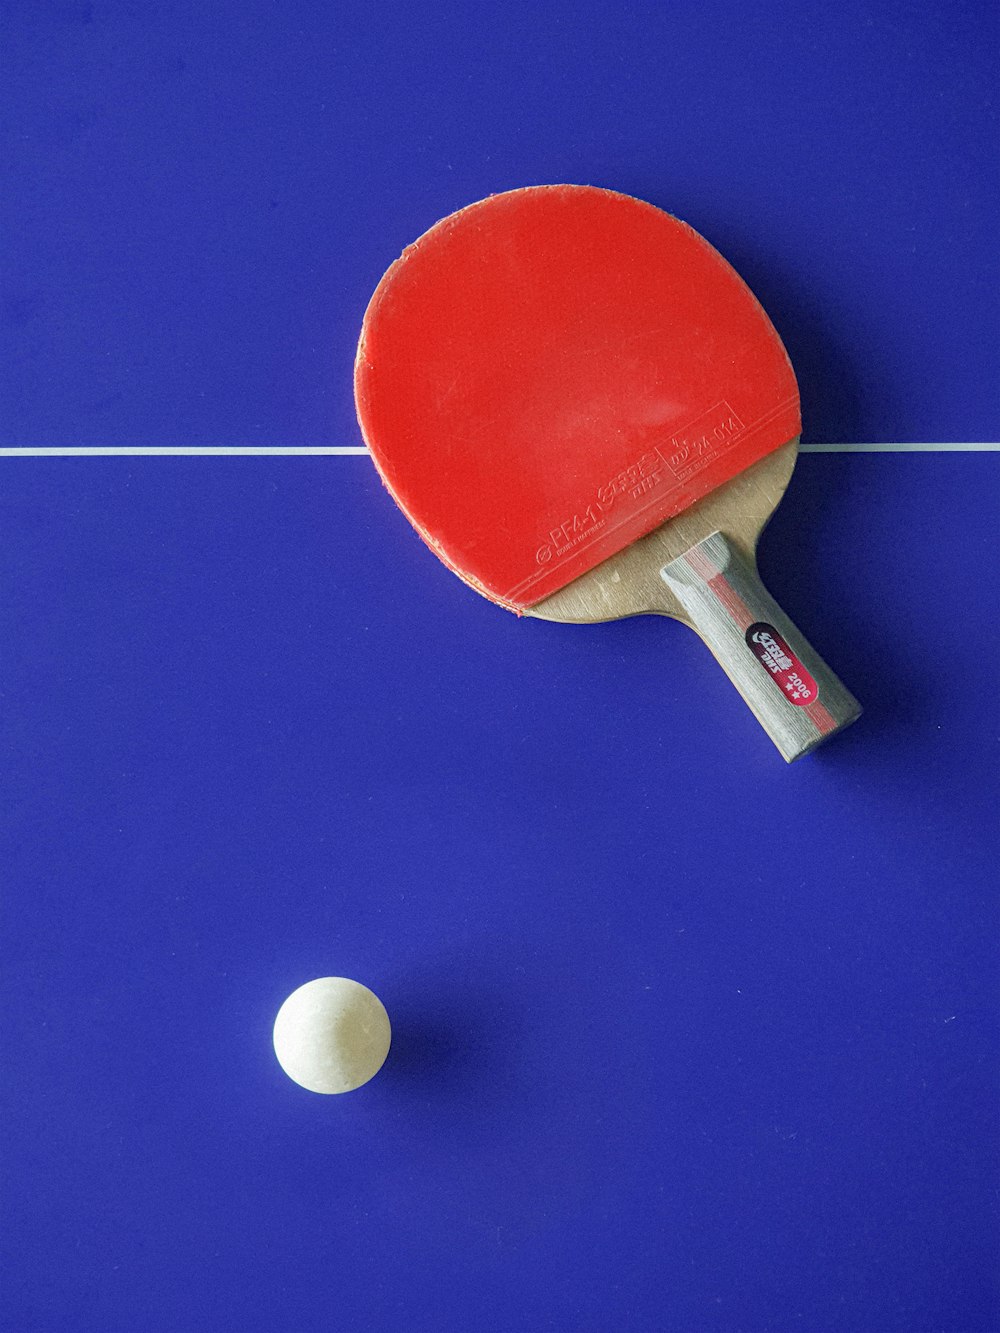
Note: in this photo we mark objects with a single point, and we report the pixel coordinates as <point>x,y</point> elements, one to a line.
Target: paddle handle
<point>792,692</point>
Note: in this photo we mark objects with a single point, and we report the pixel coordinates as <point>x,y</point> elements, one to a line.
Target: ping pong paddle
<point>586,414</point>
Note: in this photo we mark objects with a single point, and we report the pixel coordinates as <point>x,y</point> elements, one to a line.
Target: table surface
<point>683,1038</point>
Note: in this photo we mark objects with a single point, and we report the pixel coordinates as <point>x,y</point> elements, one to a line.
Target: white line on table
<point>239,451</point>
<point>900,448</point>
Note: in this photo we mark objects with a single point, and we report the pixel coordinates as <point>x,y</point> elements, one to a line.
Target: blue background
<point>683,1038</point>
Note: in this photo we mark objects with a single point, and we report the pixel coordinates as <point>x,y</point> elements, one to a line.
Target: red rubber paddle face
<point>549,374</point>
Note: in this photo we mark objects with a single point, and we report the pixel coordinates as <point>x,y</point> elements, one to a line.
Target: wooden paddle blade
<point>629,584</point>
<point>549,374</point>
<point>691,571</point>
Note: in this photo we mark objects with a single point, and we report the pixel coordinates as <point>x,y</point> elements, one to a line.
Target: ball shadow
<point>450,1039</point>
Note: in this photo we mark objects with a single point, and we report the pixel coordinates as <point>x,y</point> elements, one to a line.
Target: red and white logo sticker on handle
<point>775,656</point>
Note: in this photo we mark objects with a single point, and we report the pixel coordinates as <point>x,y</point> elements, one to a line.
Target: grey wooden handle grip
<point>792,692</point>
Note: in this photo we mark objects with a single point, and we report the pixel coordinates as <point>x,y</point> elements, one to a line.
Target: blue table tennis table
<point>684,1039</point>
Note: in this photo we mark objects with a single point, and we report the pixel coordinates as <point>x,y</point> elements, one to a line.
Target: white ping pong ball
<point>332,1035</point>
